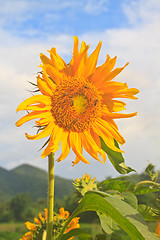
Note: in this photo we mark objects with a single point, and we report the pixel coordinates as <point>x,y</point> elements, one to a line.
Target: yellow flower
<point>74,223</point>
<point>27,236</point>
<point>39,225</point>
<point>31,226</point>
<point>158,230</point>
<point>63,214</point>
<point>85,184</point>
<point>77,104</point>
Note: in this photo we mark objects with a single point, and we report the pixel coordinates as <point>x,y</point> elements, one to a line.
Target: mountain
<point>26,178</point>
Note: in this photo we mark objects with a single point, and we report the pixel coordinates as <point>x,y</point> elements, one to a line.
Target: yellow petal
<point>102,71</point>
<point>92,60</point>
<point>114,132</point>
<point>114,105</point>
<point>106,136</point>
<point>114,73</point>
<point>48,149</point>
<point>51,70</point>
<point>65,147</point>
<point>36,220</point>
<point>33,115</point>
<point>43,87</point>
<point>41,218</point>
<point>91,147</point>
<point>55,138</point>
<point>76,145</point>
<point>38,107</point>
<point>44,121</point>
<point>34,99</point>
<point>48,80</point>
<point>82,65</point>
<point>111,87</point>
<point>57,60</point>
<point>119,115</point>
<point>78,64</point>
<point>126,93</point>
<point>96,138</point>
<point>75,48</point>
<point>83,47</point>
<point>30,226</point>
<point>44,133</point>
<point>77,160</point>
<point>45,213</point>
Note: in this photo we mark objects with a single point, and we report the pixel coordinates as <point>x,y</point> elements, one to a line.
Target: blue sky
<point>127,28</point>
<point>38,20</point>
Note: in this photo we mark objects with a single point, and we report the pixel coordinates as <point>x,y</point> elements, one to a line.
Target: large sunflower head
<point>77,103</point>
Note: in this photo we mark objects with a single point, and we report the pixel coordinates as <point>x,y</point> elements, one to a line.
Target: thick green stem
<point>50,195</point>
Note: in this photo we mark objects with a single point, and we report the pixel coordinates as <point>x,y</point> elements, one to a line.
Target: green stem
<point>146,182</point>
<point>50,195</point>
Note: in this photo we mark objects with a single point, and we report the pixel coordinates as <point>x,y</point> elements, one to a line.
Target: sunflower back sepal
<point>116,158</point>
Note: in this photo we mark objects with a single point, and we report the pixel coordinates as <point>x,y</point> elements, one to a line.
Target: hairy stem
<point>50,195</point>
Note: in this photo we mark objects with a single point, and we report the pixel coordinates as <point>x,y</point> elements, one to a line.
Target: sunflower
<point>37,228</point>
<point>77,104</point>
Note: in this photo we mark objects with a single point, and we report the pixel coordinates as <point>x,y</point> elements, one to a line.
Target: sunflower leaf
<point>116,158</point>
<point>127,217</point>
<point>149,213</point>
<point>77,232</point>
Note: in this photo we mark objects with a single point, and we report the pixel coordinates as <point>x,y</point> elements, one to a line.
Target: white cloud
<point>96,6</point>
<point>142,12</point>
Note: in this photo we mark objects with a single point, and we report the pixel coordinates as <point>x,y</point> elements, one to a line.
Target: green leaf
<point>128,218</point>
<point>101,237</point>
<point>77,232</point>
<point>113,231</point>
<point>145,187</point>
<point>114,194</point>
<point>107,223</point>
<point>120,235</point>
<point>116,158</point>
<point>150,172</point>
<point>131,199</point>
<point>117,184</point>
<point>149,213</point>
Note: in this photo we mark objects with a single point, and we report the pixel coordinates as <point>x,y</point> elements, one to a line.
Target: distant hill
<point>26,178</point>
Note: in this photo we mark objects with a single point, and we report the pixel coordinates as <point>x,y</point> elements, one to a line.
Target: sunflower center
<point>80,103</point>
<point>76,103</point>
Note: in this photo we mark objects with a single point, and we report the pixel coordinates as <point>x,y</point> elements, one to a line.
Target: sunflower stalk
<point>50,196</point>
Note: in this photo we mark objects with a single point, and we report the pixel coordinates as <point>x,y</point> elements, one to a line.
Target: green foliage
<point>26,178</point>
<point>5,211</point>
<point>123,205</point>
<point>77,232</point>
<point>117,184</point>
<point>9,235</point>
<point>116,158</point>
<point>150,172</point>
<point>127,217</point>
<point>19,205</point>
<point>117,203</point>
